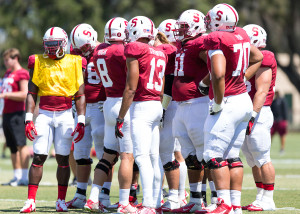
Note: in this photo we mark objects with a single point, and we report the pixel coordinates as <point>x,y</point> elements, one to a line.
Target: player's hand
<point>118,127</point>
<point>80,130</point>
<point>100,105</point>
<point>29,128</point>
<point>204,89</point>
<point>215,108</point>
<point>161,122</point>
<point>250,126</point>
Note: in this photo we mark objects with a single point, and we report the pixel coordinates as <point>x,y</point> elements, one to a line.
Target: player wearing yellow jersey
<point>55,77</point>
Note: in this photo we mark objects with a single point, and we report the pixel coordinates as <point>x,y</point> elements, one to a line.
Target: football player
<point>190,69</point>
<point>55,77</point>
<point>110,64</point>
<point>84,41</point>
<point>230,110</point>
<point>257,143</point>
<point>171,160</point>
<point>142,95</point>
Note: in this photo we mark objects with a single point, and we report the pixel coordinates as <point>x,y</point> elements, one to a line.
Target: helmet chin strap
<point>60,55</point>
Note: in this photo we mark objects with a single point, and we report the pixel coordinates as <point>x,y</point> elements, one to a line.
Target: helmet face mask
<point>189,25</point>
<point>55,43</point>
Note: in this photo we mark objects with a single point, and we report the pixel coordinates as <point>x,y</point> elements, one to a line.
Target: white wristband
<point>81,119</point>
<point>254,114</point>
<point>28,116</point>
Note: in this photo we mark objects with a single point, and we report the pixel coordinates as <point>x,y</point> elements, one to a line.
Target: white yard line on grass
<point>16,200</point>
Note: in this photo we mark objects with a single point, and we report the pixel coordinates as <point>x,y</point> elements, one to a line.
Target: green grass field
<point>286,196</point>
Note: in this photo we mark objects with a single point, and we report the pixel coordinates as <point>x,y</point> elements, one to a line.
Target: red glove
<point>250,125</point>
<point>80,130</point>
<point>29,128</point>
<point>118,128</point>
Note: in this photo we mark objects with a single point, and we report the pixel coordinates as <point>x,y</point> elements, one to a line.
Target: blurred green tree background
<point>24,22</point>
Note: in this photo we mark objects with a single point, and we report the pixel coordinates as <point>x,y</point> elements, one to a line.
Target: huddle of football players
<point>174,100</point>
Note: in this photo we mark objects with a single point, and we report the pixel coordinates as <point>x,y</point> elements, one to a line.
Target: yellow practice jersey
<point>61,77</point>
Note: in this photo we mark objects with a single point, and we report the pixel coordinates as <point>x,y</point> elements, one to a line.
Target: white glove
<point>215,108</point>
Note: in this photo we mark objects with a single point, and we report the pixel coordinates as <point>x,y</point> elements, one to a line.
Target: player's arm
<point>263,79</point>
<point>255,61</point>
<point>31,95</point>
<point>17,95</point>
<point>218,69</point>
<point>79,99</point>
<point>30,106</point>
<point>131,86</point>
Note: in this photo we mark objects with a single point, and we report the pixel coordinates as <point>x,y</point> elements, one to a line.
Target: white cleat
<point>263,205</point>
<point>170,205</point>
<point>61,206</point>
<point>77,202</point>
<point>127,209</point>
<point>29,206</point>
<point>105,200</point>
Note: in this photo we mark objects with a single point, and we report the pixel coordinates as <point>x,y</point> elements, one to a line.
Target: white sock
<point>225,195</point>
<point>18,173</point>
<point>124,196</point>
<point>235,197</point>
<point>182,179</point>
<point>107,185</point>
<point>203,188</point>
<point>195,187</point>
<point>212,186</point>
<point>173,195</point>
<point>82,185</point>
<point>95,192</point>
<point>268,194</point>
<point>260,192</point>
<point>25,174</point>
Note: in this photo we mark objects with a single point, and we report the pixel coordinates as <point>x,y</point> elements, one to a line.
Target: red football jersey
<point>170,50</point>
<point>236,49</point>
<point>11,84</point>
<point>189,70</point>
<point>51,103</point>
<point>110,64</point>
<point>94,89</point>
<point>152,64</point>
<point>270,62</point>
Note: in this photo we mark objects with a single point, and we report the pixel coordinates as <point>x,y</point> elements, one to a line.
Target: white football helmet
<point>257,35</point>
<point>190,24</point>
<point>167,27</point>
<point>140,27</point>
<point>84,37</point>
<point>55,42</point>
<point>222,17</point>
<point>115,29</point>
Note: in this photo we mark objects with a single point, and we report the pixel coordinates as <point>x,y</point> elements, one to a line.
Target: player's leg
<point>41,147</point>
<point>170,164</point>
<point>182,193</point>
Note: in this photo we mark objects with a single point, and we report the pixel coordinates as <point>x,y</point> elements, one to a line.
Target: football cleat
<point>236,210</point>
<point>262,206</point>
<point>91,206</point>
<point>126,209</point>
<point>189,208</point>
<point>170,205</point>
<point>222,208</point>
<point>61,206</point>
<point>159,210</point>
<point>77,202</point>
<point>132,200</point>
<point>29,206</point>
<point>146,210</point>
<point>105,200</point>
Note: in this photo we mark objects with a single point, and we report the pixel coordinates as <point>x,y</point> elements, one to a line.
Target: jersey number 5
<point>154,65</point>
